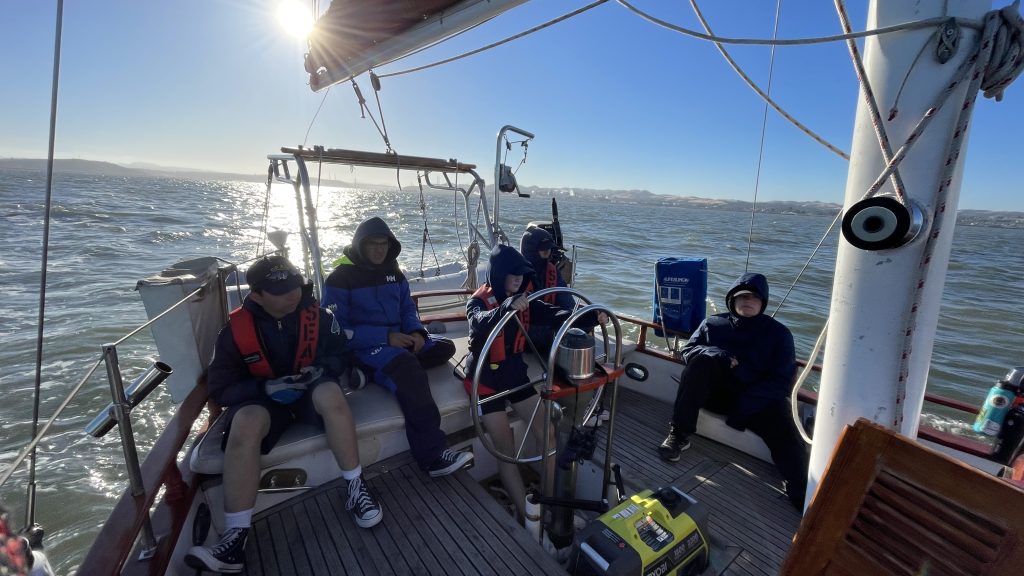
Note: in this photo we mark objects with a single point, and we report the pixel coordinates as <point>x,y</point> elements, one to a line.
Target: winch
<point>575,358</point>
<point>658,532</point>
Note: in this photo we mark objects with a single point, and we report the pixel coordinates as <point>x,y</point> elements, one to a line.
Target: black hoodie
<point>762,345</point>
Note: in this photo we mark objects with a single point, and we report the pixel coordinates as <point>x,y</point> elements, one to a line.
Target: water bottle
<point>997,405</point>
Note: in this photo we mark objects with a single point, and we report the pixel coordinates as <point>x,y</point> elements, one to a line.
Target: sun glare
<point>295,18</point>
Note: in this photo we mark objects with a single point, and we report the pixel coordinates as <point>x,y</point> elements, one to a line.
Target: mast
<point>875,290</point>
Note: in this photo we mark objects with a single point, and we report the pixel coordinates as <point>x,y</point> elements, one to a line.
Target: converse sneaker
<point>357,378</point>
<point>365,509</point>
<point>449,461</point>
<point>227,556</point>
<point>674,444</point>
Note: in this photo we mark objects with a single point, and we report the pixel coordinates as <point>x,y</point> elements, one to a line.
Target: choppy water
<point>107,233</point>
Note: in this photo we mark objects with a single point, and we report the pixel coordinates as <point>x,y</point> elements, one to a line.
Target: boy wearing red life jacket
<point>505,368</point>
<point>277,361</point>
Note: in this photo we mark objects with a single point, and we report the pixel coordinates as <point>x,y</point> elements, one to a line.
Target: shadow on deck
<point>451,525</point>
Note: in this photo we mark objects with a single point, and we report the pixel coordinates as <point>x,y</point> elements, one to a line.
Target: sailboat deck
<point>451,525</point>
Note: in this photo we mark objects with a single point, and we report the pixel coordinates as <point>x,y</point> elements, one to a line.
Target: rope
<point>426,232</point>
<point>930,22</point>
<point>764,126</point>
<point>30,508</point>
<point>869,99</point>
<point>364,111</point>
<point>266,210</point>
<point>808,262</point>
<point>795,393</point>
<point>761,93</point>
<point>499,42</point>
<point>995,63</point>
<point>313,121</point>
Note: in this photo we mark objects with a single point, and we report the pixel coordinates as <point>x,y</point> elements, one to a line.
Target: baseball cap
<point>742,292</point>
<point>274,274</point>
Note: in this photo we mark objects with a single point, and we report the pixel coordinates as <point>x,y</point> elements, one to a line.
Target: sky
<point>615,102</point>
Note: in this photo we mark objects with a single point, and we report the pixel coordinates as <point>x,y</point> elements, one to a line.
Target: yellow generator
<point>654,533</point>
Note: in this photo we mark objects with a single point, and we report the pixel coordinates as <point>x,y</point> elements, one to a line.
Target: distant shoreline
<point>988,218</point>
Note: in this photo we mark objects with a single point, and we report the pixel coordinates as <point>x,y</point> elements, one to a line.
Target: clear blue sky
<point>615,102</point>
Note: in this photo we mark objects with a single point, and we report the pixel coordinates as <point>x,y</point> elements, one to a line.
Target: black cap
<point>274,274</point>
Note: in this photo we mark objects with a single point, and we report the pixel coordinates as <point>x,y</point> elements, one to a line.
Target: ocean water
<point>107,233</point>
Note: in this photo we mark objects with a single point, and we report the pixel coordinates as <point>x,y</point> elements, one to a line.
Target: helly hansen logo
<point>390,278</point>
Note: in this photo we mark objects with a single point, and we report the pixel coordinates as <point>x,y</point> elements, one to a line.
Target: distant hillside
<point>75,166</point>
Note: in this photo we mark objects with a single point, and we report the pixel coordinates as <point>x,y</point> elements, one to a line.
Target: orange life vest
<point>497,355</point>
<point>243,329</point>
<point>550,281</point>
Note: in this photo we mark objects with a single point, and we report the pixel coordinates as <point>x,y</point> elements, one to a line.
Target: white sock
<point>352,474</point>
<point>241,519</point>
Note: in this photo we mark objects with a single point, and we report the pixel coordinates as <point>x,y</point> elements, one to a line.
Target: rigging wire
<point>916,25</point>
<point>266,210</point>
<point>313,121</point>
<point>30,508</point>
<point>499,42</point>
<point>869,98</point>
<point>764,127</point>
<point>753,86</point>
<point>808,262</point>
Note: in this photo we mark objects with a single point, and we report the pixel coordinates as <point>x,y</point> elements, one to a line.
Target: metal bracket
<point>948,41</point>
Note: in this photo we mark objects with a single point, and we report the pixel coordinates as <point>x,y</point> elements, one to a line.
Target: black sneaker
<point>449,461</point>
<point>673,446</point>
<point>227,556</point>
<point>357,378</point>
<point>365,509</point>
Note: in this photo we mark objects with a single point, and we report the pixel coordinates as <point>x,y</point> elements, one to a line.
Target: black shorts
<point>281,416</point>
<point>495,378</point>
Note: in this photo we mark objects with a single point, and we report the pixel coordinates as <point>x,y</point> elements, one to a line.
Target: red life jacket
<point>243,329</point>
<point>497,355</point>
<point>550,281</point>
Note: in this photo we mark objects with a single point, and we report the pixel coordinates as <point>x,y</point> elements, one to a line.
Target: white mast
<point>873,292</point>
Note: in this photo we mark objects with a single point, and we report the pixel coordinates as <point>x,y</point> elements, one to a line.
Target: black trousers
<point>708,383</point>
<point>405,375</point>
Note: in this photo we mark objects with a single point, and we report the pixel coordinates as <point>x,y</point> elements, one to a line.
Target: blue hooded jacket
<point>535,239</point>
<point>762,345</point>
<point>369,300</point>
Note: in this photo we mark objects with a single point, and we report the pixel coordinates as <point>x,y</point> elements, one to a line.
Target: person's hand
<point>288,389</point>
<point>519,303</point>
<point>733,362</point>
<point>602,318</point>
<point>399,340</point>
<point>418,342</point>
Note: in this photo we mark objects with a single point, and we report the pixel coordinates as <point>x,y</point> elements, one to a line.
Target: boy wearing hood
<point>506,290</point>
<point>742,364</point>
<point>276,361</point>
<point>536,246</point>
<point>371,299</point>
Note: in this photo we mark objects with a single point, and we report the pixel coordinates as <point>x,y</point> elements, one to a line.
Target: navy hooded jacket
<point>505,260</point>
<point>762,345</point>
<point>229,378</point>
<point>533,240</point>
<point>371,301</point>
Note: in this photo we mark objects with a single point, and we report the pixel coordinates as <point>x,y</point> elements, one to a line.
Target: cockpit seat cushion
<point>374,409</point>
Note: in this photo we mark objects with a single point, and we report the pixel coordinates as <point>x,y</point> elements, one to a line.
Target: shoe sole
<point>461,462</point>
<point>673,457</point>
<point>203,560</point>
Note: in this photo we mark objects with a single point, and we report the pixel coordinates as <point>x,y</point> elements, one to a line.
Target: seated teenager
<point>277,360</point>
<point>742,364</point>
<point>370,297</point>
<point>505,368</point>
<point>536,246</point>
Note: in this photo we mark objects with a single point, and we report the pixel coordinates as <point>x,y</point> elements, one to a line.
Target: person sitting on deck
<point>536,246</point>
<point>370,297</point>
<point>742,364</point>
<point>276,361</point>
<point>505,290</point>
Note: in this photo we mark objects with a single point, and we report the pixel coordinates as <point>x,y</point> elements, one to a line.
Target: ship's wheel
<point>549,386</point>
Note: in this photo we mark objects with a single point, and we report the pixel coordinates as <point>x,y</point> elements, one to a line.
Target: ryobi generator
<point>654,533</point>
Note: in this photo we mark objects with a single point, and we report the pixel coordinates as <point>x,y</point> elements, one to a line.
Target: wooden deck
<point>751,522</point>
<point>451,525</point>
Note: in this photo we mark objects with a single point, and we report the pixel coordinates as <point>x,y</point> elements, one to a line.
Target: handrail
<point>925,432</point>
<point>109,552</point>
